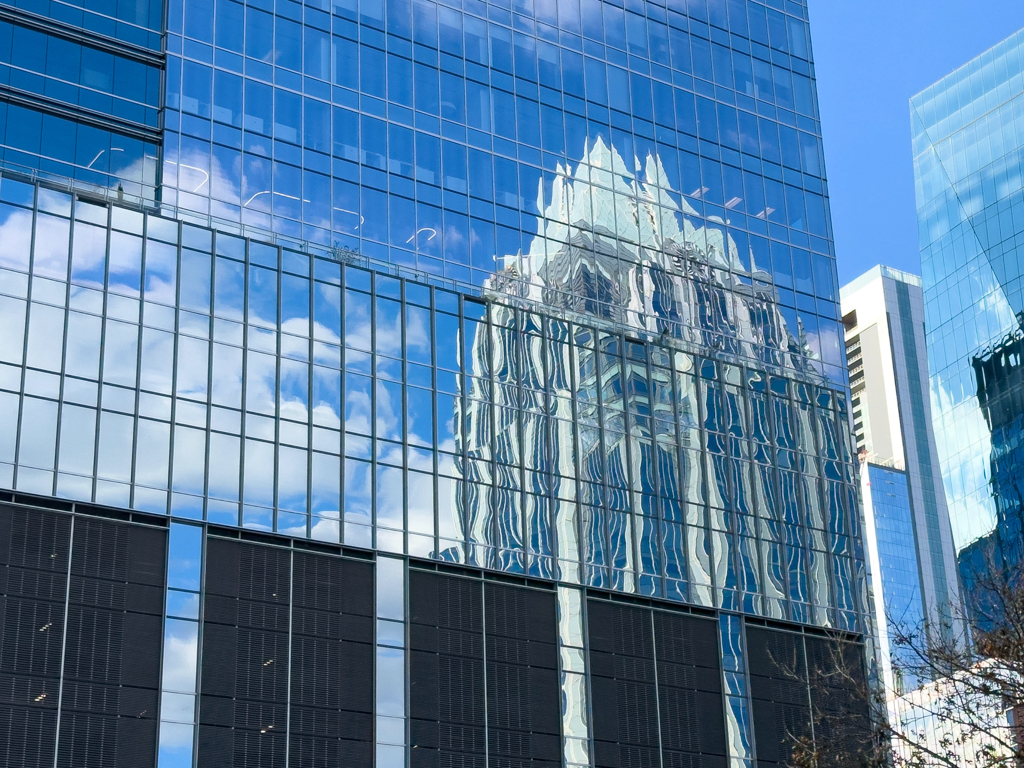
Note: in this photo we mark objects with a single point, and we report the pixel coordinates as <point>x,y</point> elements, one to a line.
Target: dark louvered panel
<point>243,709</point>
<point>842,724</point>
<point>35,584</point>
<point>33,538</point>
<point>523,714</point>
<point>32,632</point>
<point>109,699</point>
<point>101,549</point>
<point>248,659</point>
<point>446,672</point>
<point>624,692</point>
<point>331,662</point>
<point>112,656</point>
<point>88,739</point>
<point>319,752</point>
<point>689,690</point>
<point>263,748</point>
<point>27,736</point>
<point>20,690</point>
<point>778,687</point>
<point>34,551</point>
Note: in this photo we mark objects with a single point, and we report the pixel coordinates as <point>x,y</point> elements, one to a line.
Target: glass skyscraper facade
<point>898,588</point>
<point>968,146</point>
<point>416,338</point>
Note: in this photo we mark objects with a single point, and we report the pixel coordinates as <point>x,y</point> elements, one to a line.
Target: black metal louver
<point>244,677</point>
<point>446,672</point>
<point>778,687</point>
<point>656,688</point>
<point>842,727</point>
<point>271,616</point>
<point>523,713</point>
<point>112,656</point>
<point>332,662</point>
<point>689,690</point>
<point>624,691</point>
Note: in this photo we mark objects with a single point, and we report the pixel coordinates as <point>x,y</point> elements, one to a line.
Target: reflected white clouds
<point>227,376</point>
<point>259,473</point>
<point>152,453</point>
<point>12,340</point>
<point>193,364</point>
<point>115,446</point>
<point>387,328</point>
<point>390,500</point>
<point>16,238</point>
<point>181,645</point>
<point>45,337</point>
<point>189,460</point>
<point>161,272</point>
<point>358,327</point>
<point>292,485</point>
<point>327,313</point>
<point>327,397</point>
<point>8,426</point>
<point>261,383</point>
<point>50,258</point>
<point>358,403</point>
<point>125,264</point>
<point>157,360</point>
<point>38,433</point>
<point>294,394</point>
<point>89,255</point>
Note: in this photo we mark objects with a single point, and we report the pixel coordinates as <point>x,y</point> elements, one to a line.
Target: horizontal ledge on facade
<point>76,34</point>
<point>89,117</point>
<point>20,499</point>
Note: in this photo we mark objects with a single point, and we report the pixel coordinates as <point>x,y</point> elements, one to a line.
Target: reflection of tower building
<point>1000,379</point>
<point>672,278</point>
<point>624,246</point>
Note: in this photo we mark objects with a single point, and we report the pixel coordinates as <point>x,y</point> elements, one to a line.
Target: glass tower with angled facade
<point>415,383</point>
<point>968,147</point>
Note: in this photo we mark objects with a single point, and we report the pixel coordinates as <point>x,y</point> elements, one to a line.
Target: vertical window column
<point>572,669</point>
<point>738,717</point>
<point>390,706</point>
<point>181,643</point>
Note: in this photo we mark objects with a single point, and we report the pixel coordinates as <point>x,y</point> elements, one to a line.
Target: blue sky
<point>871,56</point>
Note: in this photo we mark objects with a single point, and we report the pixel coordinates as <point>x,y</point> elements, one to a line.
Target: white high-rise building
<point>909,540</point>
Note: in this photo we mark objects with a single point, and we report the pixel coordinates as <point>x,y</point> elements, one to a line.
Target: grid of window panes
<point>969,150</point>
<point>80,91</point>
<point>79,75</point>
<point>441,136</point>
<point>135,22</point>
<point>158,367</point>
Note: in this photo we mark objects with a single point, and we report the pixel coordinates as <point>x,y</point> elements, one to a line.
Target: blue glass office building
<point>898,593</point>
<point>968,147</point>
<point>419,383</point>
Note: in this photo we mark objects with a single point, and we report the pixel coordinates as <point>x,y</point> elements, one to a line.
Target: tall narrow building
<point>968,149</point>
<point>441,383</point>
<point>909,539</point>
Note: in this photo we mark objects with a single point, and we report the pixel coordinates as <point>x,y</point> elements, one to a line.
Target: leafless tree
<point>952,701</point>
